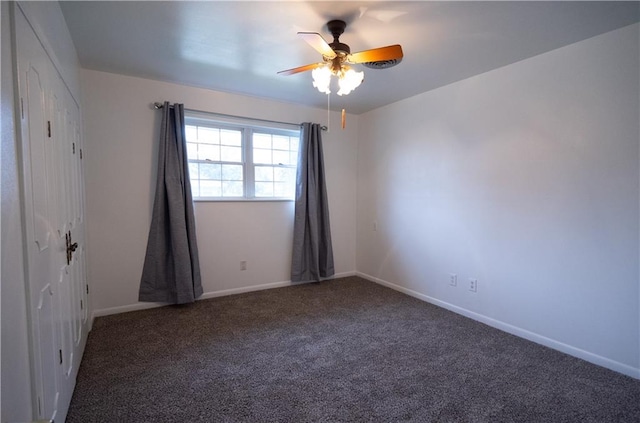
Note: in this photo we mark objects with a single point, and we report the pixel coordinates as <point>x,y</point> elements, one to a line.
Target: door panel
<point>48,350</point>
<point>37,149</point>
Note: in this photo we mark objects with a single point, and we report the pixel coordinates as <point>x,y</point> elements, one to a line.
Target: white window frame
<point>247,127</point>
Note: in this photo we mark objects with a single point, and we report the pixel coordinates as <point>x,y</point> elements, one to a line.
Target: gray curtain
<point>312,251</point>
<point>171,272</point>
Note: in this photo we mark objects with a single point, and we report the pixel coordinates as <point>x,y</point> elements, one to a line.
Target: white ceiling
<point>238,46</point>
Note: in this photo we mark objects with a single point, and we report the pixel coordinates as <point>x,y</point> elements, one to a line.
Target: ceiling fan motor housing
<point>340,48</point>
<point>337,27</point>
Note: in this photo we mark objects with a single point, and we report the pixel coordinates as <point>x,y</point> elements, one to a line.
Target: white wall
<point>121,130</point>
<point>526,178</point>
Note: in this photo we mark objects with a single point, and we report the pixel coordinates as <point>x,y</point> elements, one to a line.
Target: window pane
<point>280,157</point>
<point>264,189</point>
<point>208,135</point>
<point>262,156</point>
<point>280,142</point>
<point>191,133</point>
<point>264,173</point>
<point>293,158</point>
<point>229,137</point>
<point>282,189</point>
<point>210,189</point>
<point>231,154</point>
<point>195,188</point>
<point>232,189</point>
<point>193,170</point>
<point>262,141</point>
<point>210,171</point>
<point>232,172</point>
<point>283,174</point>
<point>209,152</point>
<point>192,151</point>
<point>295,142</point>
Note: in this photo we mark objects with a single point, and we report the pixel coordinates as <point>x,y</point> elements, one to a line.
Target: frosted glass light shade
<point>322,79</point>
<point>349,81</point>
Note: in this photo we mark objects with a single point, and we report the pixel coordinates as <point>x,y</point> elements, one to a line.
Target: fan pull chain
<point>344,119</point>
<point>328,112</point>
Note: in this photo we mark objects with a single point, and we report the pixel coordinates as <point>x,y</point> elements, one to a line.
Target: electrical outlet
<point>243,265</point>
<point>473,285</point>
<point>453,279</point>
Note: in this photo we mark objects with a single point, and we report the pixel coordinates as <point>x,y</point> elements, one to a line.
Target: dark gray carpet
<point>341,351</point>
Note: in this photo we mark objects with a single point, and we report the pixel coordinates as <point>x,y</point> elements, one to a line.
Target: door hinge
<point>22,107</point>
<point>81,305</point>
<point>49,128</point>
<point>60,353</point>
<point>73,147</point>
<point>81,154</point>
<point>39,407</point>
<point>87,289</point>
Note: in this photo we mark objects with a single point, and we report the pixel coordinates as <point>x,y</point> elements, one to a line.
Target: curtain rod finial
<point>157,105</point>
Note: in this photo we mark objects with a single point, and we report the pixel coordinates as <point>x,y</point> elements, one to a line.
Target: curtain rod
<point>157,105</point>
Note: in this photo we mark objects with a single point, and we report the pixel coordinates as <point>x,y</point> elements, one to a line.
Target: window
<point>231,159</point>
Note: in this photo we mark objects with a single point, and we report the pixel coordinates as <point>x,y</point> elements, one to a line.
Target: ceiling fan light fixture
<point>348,79</point>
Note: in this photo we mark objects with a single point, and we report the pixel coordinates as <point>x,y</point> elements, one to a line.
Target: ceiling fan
<point>337,57</point>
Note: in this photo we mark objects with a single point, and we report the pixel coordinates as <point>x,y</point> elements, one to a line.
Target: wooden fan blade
<point>301,69</point>
<point>376,54</point>
<point>316,41</point>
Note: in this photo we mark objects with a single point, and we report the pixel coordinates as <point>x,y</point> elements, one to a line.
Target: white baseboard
<point>124,309</point>
<point>261,287</point>
<point>212,294</point>
<point>514,330</point>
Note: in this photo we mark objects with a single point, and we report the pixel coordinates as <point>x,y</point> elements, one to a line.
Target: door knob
<point>71,247</point>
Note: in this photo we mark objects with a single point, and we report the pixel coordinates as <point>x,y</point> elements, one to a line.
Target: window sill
<point>241,200</point>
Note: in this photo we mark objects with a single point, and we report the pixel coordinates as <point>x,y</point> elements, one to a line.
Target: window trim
<point>247,127</point>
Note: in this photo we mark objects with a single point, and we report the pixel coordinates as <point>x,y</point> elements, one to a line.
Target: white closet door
<point>54,224</point>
